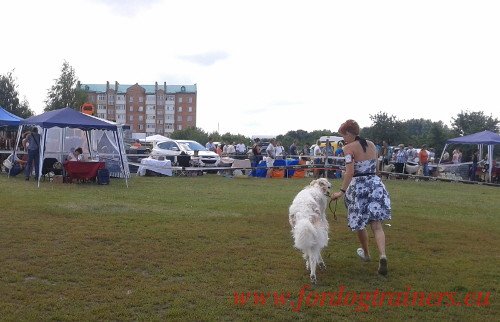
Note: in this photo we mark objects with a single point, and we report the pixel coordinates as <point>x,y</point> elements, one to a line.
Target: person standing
<point>475,161</point>
<point>271,156</point>
<point>412,153</point>
<point>293,150</point>
<point>318,160</point>
<point>384,152</point>
<point>367,200</point>
<point>280,151</point>
<point>401,158</point>
<point>210,146</point>
<point>423,160</point>
<point>257,155</point>
<point>33,145</point>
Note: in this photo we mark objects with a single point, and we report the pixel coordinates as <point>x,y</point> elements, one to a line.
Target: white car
<point>171,148</point>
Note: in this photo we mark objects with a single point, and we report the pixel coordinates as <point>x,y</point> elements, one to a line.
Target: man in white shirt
<point>241,148</point>
<point>230,150</point>
<point>271,156</point>
<point>210,145</point>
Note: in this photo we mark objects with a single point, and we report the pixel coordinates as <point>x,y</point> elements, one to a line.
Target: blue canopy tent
<point>481,138</point>
<point>68,118</point>
<point>7,118</point>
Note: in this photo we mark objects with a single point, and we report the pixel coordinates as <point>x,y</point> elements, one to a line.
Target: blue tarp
<point>485,137</point>
<point>68,117</point>
<point>7,118</point>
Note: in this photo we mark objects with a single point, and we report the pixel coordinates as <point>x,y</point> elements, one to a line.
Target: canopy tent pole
<point>118,137</point>
<point>442,153</point>
<point>41,153</point>
<point>490,160</point>
<point>87,136</point>
<point>62,146</point>
<point>14,148</point>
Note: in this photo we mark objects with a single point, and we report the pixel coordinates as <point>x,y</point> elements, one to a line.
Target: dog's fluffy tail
<point>304,234</point>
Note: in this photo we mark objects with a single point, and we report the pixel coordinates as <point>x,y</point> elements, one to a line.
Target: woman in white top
<point>75,155</point>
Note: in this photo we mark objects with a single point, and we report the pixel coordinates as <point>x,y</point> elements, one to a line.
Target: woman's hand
<point>337,195</point>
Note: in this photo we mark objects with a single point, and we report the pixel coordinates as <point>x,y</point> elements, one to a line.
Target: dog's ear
<point>314,182</point>
<point>324,184</point>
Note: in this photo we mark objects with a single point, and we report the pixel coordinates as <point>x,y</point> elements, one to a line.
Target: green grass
<point>178,249</point>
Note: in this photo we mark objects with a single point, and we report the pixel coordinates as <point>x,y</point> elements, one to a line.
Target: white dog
<point>309,225</point>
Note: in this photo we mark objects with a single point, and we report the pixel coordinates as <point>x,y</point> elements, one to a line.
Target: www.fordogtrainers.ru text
<point>361,301</point>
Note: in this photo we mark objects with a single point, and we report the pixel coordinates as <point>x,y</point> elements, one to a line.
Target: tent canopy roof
<point>156,137</point>
<point>68,117</point>
<point>485,137</point>
<point>7,118</point>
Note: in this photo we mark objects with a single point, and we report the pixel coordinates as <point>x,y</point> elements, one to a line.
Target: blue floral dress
<point>366,197</point>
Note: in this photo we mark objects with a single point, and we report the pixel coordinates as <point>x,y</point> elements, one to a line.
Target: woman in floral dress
<point>365,195</point>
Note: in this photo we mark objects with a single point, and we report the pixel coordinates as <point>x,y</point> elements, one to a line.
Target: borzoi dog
<point>309,225</point>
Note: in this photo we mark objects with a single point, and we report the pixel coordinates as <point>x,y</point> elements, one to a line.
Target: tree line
<point>65,92</point>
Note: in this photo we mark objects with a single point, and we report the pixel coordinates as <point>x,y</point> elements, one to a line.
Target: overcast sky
<point>267,67</point>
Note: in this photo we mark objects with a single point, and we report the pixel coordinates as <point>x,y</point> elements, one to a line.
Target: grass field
<point>180,248</point>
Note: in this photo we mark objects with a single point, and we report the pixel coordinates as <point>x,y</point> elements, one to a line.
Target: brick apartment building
<point>149,109</point>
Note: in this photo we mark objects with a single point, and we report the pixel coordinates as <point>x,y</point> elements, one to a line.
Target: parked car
<point>142,152</point>
<point>171,148</point>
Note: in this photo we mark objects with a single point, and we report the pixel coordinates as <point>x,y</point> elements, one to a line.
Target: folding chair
<point>183,161</point>
<point>51,165</point>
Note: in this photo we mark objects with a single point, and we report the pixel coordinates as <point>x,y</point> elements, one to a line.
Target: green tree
<point>385,127</point>
<point>229,138</point>
<point>9,97</point>
<point>191,133</point>
<point>64,93</point>
<point>472,122</point>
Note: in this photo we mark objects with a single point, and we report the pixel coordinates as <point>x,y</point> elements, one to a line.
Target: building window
<point>130,117</point>
<point>179,118</point>
<point>141,127</point>
<point>151,117</point>
<point>160,121</point>
<point>169,126</point>
<point>190,108</point>
<point>170,98</point>
<point>189,118</point>
<point>120,117</point>
<point>131,108</point>
<point>110,112</point>
<point>190,100</point>
<point>101,115</point>
<point>179,100</point>
<point>151,107</point>
<point>179,127</point>
<point>140,108</point>
<point>140,99</point>
<point>131,99</point>
<point>141,118</point>
<point>169,117</point>
<point>179,109</point>
<point>101,97</point>
<point>111,99</point>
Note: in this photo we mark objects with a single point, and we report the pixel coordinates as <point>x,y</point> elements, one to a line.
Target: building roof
<point>150,89</point>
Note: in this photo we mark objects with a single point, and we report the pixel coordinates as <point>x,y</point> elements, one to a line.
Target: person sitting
<point>75,155</point>
<point>14,165</point>
<point>136,145</point>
